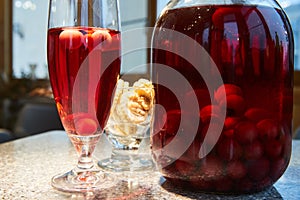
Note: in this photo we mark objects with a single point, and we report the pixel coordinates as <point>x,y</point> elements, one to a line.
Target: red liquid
<point>84,65</point>
<point>253,50</point>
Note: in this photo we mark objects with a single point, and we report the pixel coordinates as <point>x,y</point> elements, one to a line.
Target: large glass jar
<point>223,77</point>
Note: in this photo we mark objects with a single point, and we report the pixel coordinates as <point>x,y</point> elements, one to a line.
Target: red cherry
<point>210,112</point>
<point>226,90</point>
<point>258,169</point>
<point>257,114</point>
<point>246,132</point>
<point>230,122</point>
<point>88,41</point>
<point>86,126</point>
<point>228,149</point>
<point>273,149</point>
<point>236,170</point>
<point>100,36</point>
<point>70,39</point>
<point>228,133</point>
<point>175,119</point>
<point>235,105</point>
<point>254,150</point>
<point>268,129</point>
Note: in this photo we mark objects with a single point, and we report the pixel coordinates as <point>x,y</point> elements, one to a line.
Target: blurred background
<point>26,103</point>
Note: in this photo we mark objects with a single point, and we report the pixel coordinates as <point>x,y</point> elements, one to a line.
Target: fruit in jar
<point>273,149</point>
<point>228,149</point>
<point>210,113</point>
<point>249,93</point>
<point>226,90</point>
<point>246,132</point>
<point>235,105</point>
<point>253,150</point>
<point>257,114</point>
<point>268,129</point>
<point>258,169</point>
<point>236,170</point>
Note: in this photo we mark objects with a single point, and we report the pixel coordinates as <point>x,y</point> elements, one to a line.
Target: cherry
<point>235,105</point>
<point>229,89</point>
<point>228,149</point>
<point>101,36</point>
<point>86,126</point>
<point>258,169</point>
<point>254,150</point>
<point>268,129</point>
<point>257,114</point>
<point>246,132</point>
<point>208,113</point>
<point>230,122</point>
<point>277,168</point>
<point>228,133</point>
<point>176,119</point>
<point>273,149</point>
<point>89,41</point>
<point>236,170</point>
<point>70,39</point>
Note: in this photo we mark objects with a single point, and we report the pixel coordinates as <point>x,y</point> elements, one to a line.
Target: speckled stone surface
<point>27,166</point>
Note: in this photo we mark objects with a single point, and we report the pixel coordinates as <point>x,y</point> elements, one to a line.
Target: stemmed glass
<point>84,65</point>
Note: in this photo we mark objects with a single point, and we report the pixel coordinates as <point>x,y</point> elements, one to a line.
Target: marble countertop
<point>27,166</point>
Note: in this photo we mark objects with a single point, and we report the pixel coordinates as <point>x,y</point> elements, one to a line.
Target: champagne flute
<point>83,47</point>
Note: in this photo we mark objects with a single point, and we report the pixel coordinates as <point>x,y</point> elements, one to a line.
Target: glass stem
<point>85,160</point>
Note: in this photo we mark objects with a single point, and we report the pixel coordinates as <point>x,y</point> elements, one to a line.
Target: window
<point>29,39</point>
<point>30,32</point>
<point>291,8</point>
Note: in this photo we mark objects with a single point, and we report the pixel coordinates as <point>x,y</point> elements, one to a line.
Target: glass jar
<point>223,78</point>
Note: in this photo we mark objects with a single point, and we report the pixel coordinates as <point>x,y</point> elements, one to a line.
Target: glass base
<point>82,181</point>
<point>127,160</point>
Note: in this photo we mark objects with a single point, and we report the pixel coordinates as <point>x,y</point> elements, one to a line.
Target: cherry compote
<point>252,49</point>
<point>84,65</point>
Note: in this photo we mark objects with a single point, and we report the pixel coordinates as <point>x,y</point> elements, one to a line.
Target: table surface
<point>28,164</point>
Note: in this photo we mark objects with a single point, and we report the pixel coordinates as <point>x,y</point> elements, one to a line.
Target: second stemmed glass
<point>84,66</point>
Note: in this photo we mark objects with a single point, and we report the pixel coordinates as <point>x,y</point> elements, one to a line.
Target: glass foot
<point>82,181</point>
<point>127,160</point>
